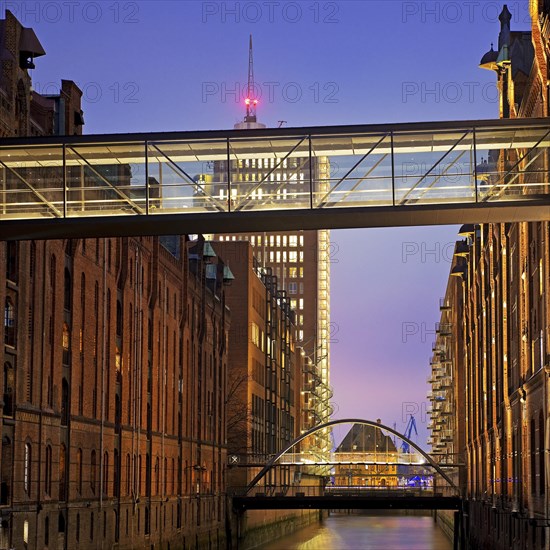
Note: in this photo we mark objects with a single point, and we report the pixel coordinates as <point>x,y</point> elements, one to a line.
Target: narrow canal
<point>357,532</point>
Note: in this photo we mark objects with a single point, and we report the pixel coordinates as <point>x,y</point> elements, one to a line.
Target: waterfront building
<point>114,368</point>
<point>363,445</point>
<point>498,310</point>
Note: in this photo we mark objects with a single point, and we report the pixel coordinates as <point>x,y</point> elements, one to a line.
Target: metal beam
<point>285,220</point>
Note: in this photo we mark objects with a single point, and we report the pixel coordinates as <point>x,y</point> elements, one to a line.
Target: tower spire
<point>251,101</point>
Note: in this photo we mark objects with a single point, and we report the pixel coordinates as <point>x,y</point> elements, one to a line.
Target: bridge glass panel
<point>512,164</point>
<point>105,179</point>
<point>270,174</point>
<point>31,182</point>
<point>434,168</point>
<point>183,178</point>
<point>359,170</point>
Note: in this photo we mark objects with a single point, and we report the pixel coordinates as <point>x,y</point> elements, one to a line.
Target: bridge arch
<point>364,422</point>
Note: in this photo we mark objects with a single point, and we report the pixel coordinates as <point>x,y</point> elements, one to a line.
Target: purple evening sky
<point>147,66</point>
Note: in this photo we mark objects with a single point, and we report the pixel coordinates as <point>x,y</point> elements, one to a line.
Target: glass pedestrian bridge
<point>275,179</point>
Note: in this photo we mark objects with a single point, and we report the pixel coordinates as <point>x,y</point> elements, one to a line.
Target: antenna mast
<point>250,100</point>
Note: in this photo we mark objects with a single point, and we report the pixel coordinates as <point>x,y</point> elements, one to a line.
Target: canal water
<point>357,532</point>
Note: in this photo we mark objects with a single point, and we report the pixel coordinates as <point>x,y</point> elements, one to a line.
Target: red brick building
<point>497,311</point>
<point>114,370</point>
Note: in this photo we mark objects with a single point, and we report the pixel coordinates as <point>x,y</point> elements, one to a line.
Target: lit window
<point>27,469</point>
<point>293,240</point>
<point>278,239</point>
<point>284,240</point>
<point>292,256</point>
<point>293,272</point>
<point>301,303</point>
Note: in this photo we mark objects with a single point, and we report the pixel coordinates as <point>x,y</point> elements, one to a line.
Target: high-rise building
<point>299,259</point>
<point>496,316</point>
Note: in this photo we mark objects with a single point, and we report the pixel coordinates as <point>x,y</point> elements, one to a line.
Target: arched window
<point>11,261</point>
<point>79,471</point>
<point>128,474</point>
<point>147,523</point>
<point>106,473</point>
<point>62,473</point>
<point>64,402</point>
<point>116,475</point>
<point>157,476</point>
<point>46,531</point>
<point>27,461</point>
<point>48,471</point>
<point>66,343</point>
<point>6,470</point>
<point>93,471</point>
<point>165,475</point>
<point>9,323</point>
<point>67,291</point>
<point>8,389</point>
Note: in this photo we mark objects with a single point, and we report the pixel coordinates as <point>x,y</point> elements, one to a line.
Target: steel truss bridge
<point>309,178</point>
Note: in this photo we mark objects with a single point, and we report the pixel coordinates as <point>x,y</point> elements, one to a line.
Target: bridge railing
<point>345,491</point>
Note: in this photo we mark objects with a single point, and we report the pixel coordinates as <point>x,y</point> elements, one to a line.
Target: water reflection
<point>354,532</point>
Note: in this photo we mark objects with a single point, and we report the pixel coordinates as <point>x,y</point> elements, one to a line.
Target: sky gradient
<point>155,66</point>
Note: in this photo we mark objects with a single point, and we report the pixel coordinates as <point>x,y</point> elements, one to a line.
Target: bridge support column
<point>456,531</point>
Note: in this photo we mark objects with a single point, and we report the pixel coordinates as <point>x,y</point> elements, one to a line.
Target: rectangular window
<point>292,288</point>
<point>293,240</point>
<point>292,256</point>
<point>293,272</point>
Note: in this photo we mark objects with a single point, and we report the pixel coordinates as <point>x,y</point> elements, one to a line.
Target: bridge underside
<point>275,179</point>
<point>346,503</point>
<point>285,220</point>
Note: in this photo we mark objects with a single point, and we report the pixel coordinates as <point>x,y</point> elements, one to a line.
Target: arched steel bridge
<point>429,460</point>
<point>326,498</point>
<point>275,179</point>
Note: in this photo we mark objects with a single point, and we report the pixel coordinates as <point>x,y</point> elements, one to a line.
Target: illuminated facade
<point>366,444</point>
<point>498,311</point>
